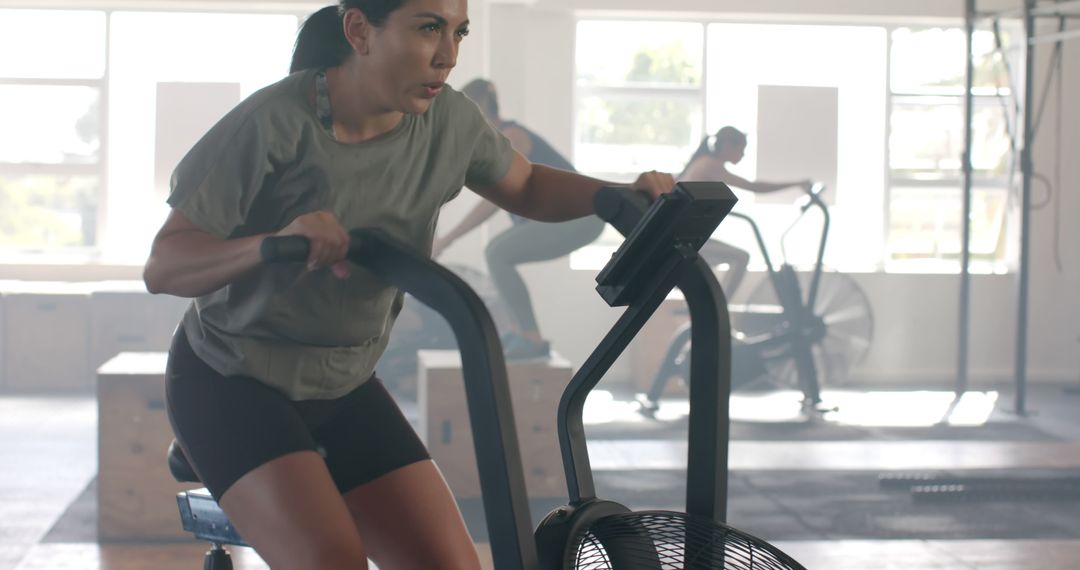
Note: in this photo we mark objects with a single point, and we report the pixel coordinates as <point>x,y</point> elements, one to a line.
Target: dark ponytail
<point>710,144</point>
<point>321,41</point>
<point>704,148</point>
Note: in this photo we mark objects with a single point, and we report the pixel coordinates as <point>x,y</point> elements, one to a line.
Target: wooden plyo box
<point>136,492</point>
<point>125,318</point>
<point>46,339</point>
<point>535,390</point>
<point>651,345</point>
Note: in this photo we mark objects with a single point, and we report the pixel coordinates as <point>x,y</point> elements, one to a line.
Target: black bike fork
<point>672,365</point>
<point>790,294</point>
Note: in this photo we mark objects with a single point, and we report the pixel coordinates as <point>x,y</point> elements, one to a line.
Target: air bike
<point>660,252</point>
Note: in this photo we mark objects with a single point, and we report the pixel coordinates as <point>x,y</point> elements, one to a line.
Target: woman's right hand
<point>329,241</point>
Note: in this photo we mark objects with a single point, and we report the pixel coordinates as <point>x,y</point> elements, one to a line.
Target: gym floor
<point>812,488</point>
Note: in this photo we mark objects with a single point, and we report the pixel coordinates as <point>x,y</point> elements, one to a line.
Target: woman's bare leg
<point>533,242</point>
<point>716,252</point>
<point>291,513</point>
<point>737,264</point>
<point>409,519</point>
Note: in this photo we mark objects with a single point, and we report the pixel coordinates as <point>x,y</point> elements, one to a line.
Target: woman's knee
<point>334,555</point>
<point>410,520</point>
<point>330,549</point>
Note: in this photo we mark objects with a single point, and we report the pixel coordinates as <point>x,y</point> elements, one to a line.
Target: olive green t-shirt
<point>309,334</point>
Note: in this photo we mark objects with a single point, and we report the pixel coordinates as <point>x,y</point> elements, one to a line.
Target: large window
<point>876,112</point>
<point>93,124</point>
<point>640,92</point>
<point>166,91</point>
<point>926,146</point>
<point>51,147</point>
<point>826,85</point>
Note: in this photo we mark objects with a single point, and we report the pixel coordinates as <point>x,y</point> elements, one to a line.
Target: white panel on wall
<point>185,111</point>
<point>797,129</point>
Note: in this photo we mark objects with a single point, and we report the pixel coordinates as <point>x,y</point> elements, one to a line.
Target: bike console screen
<point>672,230</point>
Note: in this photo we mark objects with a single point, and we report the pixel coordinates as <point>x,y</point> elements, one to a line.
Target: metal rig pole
<point>1027,170</point>
<point>965,239</point>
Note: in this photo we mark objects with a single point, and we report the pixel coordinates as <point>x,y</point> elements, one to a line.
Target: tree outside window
<point>51,155</point>
<point>639,95</point>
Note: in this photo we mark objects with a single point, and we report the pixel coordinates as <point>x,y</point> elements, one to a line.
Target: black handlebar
<point>487,389</point>
<point>281,249</point>
<point>814,195</point>
<point>285,248</point>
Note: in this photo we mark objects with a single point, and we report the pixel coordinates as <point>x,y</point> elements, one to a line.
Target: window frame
<point>99,170</point>
<point>694,95</point>
<point>17,261</point>
<point>981,97</point>
<point>885,261</point>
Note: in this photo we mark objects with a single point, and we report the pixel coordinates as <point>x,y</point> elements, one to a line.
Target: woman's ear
<point>357,30</point>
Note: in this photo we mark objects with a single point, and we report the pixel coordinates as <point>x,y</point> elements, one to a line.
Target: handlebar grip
<point>609,203</point>
<point>284,248</point>
<point>813,194</point>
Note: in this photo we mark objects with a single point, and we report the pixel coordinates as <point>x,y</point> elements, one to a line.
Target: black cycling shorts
<point>229,425</point>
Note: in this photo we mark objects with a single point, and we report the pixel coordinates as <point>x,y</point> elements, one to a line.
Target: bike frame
<point>814,200</point>
<point>797,325</point>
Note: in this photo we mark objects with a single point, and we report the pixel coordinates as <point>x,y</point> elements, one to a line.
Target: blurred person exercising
<point>525,241</point>
<point>709,163</point>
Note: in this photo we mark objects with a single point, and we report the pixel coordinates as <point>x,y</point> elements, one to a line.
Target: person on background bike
<point>709,164</point>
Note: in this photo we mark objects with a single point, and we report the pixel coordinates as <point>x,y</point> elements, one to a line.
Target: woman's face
<point>732,152</point>
<point>413,52</point>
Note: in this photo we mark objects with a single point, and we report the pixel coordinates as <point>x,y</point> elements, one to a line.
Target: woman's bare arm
<point>186,261</point>
<point>706,169</point>
<point>760,186</point>
<point>551,195</point>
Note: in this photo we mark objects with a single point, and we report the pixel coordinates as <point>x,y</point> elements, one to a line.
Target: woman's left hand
<point>653,182</point>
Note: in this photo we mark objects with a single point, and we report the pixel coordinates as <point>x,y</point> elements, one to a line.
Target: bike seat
<point>179,466</point>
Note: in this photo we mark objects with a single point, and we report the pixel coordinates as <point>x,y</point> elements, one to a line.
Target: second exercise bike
<point>795,328</point>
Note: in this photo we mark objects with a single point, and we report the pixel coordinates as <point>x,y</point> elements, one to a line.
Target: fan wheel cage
<point>672,540</point>
<point>843,309</point>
